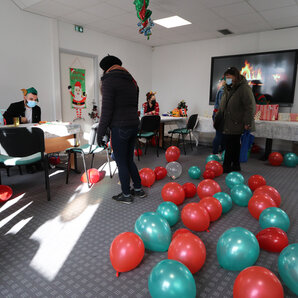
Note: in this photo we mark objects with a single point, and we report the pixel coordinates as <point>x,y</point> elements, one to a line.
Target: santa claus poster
<point>77,90</point>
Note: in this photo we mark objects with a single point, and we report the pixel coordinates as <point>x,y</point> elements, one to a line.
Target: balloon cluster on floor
<point>289,159</point>
<point>237,248</point>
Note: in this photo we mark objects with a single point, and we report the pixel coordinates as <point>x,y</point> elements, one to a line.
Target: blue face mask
<point>31,103</point>
<point>229,81</point>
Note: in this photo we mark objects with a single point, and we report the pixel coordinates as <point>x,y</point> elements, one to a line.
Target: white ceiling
<point>118,17</point>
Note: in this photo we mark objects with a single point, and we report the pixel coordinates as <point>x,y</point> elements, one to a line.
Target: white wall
<point>182,71</point>
<point>29,56</point>
<point>25,56</point>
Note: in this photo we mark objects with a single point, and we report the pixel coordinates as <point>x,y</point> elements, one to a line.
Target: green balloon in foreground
<point>241,195</point>
<point>171,279</point>
<point>169,211</point>
<point>225,200</point>
<point>274,217</point>
<point>234,178</point>
<point>212,157</point>
<point>194,172</point>
<point>288,267</point>
<point>290,160</point>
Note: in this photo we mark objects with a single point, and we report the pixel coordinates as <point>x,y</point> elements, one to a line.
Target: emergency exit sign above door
<point>79,28</point>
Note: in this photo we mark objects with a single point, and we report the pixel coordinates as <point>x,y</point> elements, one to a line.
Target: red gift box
<point>294,117</point>
<point>266,112</point>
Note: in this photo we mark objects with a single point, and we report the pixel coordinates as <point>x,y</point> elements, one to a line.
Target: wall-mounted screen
<point>272,74</point>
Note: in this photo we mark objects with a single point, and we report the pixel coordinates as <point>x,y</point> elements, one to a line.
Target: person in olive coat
<point>238,106</point>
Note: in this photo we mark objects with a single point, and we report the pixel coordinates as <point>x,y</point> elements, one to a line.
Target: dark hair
<point>233,71</point>
<point>149,95</point>
<point>109,61</point>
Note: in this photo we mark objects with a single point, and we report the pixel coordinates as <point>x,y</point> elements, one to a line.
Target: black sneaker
<point>236,169</point>
<point>121,198</point>
<point>138,193</point>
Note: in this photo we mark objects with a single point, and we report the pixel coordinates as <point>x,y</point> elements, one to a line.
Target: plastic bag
<point>247,140</point>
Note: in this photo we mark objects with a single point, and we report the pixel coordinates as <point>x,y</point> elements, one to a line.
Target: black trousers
<point>232,154</point>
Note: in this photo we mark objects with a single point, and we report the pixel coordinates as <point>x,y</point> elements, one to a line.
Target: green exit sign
<point>79,28</point>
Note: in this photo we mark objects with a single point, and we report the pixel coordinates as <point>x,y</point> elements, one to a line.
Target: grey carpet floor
<point>61,248</point>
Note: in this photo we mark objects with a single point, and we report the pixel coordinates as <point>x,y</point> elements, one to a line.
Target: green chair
<point>24,146</point>
<point>185,131</point>
<point>88,149</point>
<point>149,128</point>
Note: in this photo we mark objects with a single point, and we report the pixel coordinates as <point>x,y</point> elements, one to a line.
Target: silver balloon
<point>174,169</point>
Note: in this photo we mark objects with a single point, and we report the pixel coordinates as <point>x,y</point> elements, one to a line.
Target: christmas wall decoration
<point>77,91</point>
<point>144,15</point>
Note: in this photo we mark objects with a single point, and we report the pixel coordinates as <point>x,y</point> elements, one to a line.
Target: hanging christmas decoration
<point>144,15</point>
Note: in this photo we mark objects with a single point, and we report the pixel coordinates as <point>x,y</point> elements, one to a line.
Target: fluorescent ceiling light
<point>172,22</point>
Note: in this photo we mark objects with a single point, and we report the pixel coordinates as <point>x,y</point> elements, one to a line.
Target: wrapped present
<point>284,116</point>
<point>266,112</point>
<point>183,112</point>
<point>294,117</point>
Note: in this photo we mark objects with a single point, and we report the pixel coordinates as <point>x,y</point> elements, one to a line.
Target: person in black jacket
<point>27,110</point>
<point>119,112</point>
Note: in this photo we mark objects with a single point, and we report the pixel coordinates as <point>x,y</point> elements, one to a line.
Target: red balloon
<point>258,203</point>
<point>173,192</point>
<point>209,174</point>
<point>273,239</point>
<point>140,152</point>
<point>126,252</point>
<point>214,166</point>
<point>5,193</point>
<point>188,249</point>
<point>256,181</point>
<point>257,282</point>
<point>195,217</point>
<point>179,232</point>
<point>160,173</point>
<point>93,176</point>
<point>213,207</point>
<point>153,141</point>
<point>54,160</point>
<point>189,189</point>
<point>147,177</point>
<point>172,153</point>
<point>275,159</point>
<point>271,191</point>
<point>207,188</point>
<point>255,148</point>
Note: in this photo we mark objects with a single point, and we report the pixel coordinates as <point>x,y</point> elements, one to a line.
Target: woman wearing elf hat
<point>151,107</point>
<point>27,110</point>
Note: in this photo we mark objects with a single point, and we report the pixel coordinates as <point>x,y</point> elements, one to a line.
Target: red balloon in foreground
<point>93,175</point>
<point>172,153</point>
<point>179,232</point>
<point>207,188</point>
<point>208,174</point>
<point>160,172</point>
<point>272,239</point>
<point>257,282</point>
<point>275,159</point>
<point>188,249</point>
<point>256,181</point>
<point>126,252</point>
<point>213,207</point>
<point>214,166</point>
<point>258,203</point>
<point>271,191</point>
<point>173,192</point>
<point>195,217</point>
<point>189,189</point>
<point>5,193</point>
<point>147,177</point>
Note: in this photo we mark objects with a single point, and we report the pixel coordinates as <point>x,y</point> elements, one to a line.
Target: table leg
<point>161,135</point>
<point>268,149</point>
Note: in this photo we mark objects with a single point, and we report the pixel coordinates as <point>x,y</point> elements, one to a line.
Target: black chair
<point>88,149</point>
<point>149,128</point>
<point>185,131</point>
<point>24,146</point>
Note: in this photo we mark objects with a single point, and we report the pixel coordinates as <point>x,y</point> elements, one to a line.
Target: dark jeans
<point>123,143</point>
<point>219,140</point>
<point>232,153</point>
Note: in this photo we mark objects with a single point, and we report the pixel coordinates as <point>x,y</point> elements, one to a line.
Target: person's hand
<point>24,120</point>
<point>101,143</point>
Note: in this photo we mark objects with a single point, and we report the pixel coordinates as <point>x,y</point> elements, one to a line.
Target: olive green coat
<point>238,105</point>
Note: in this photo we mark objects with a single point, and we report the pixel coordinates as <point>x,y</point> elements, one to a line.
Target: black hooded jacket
<point>120,96</point>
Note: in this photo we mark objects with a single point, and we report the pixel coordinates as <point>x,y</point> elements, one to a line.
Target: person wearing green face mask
<point>27,110</point>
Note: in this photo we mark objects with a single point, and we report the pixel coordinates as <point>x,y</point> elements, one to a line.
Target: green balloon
<point>290,160</point>
<point>169,211</point>
<point>288,267</point>
<point>212,157</point>
<point>194,172</point>
<point>223,155</point>
<point>274,217</point>
<point>237,248</point>
<point>234,178</point>
<point>171,279</point>
<point>154,230</point>
<point>241,195</point>
<point>225,201</point>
